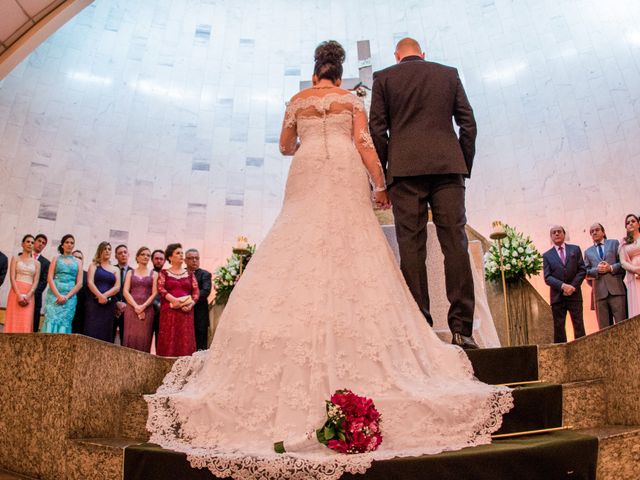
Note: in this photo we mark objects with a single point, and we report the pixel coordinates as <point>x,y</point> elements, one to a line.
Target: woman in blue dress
<point>64,280</point>
<point>103,282</point>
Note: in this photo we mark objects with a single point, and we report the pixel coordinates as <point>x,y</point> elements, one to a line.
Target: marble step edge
<point>584,403</point>
<point>617,451</point>
<point>133,418</point>
<point>7,475</point>
<point>603,432</point>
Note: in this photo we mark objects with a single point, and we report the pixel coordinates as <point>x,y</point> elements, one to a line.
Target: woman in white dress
<point>322,306</point>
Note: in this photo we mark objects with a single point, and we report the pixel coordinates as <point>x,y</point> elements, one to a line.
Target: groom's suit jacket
<point>410,120</point>
<point>605,283</point>
<point>572,272</point>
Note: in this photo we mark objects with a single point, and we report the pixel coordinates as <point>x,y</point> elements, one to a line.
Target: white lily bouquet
<point>519,255</point>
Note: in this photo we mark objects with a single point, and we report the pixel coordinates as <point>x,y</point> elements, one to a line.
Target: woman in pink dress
<point>630,260</point>
<point>24,273</point>
<point>140,288</point>
<point>179,292</point>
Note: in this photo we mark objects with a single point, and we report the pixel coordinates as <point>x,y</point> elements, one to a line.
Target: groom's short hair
<point>408,44</point>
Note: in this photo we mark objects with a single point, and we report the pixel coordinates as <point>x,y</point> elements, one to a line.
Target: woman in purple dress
<point>103,281</point>
<point>140,288</point>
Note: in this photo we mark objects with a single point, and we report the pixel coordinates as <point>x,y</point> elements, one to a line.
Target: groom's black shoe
<point>468,343</point>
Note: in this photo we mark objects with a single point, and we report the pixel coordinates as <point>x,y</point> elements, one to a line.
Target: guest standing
<point>140,289</point>
<point>38,246</point>
<point>201,308</point>
<point>605,271</point>
<point>65,279</point>
<point>179,292</point>
<point>122,257</point>
<point>630,260</point>
<point>564,272</point>
<point>157,258</point>
<point>4,266</point>
<point>77,326</point>
<point>103,280</point>
<point>24,273</point>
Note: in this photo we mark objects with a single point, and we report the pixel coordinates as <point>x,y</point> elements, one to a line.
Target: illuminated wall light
<point>634,38</point>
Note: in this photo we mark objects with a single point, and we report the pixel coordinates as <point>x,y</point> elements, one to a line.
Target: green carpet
<point>551,456</point>
<point>506,364</point>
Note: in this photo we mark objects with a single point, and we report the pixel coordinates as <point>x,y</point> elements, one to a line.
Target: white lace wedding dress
<point>322,306</point>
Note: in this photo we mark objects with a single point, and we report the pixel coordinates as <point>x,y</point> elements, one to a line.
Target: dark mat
<point>551,456</point>
<point>535,407</point>
<point>506,364</point>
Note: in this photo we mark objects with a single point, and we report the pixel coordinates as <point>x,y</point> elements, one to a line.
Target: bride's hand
<point>381,200</point>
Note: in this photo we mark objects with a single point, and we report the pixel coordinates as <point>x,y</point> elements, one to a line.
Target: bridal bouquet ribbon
<point>352,426</point>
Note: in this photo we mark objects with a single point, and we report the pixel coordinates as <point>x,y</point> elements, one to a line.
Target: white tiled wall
<point>151,121</point>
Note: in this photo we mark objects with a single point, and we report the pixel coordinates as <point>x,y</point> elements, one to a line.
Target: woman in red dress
<point>178,290</point>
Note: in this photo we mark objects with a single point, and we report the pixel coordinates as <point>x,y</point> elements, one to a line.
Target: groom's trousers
<point>410,199</point>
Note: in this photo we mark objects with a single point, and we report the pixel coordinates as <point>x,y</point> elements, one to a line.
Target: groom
<point>412,106</point>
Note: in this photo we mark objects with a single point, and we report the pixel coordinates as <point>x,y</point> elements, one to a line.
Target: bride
<point>322,306</point>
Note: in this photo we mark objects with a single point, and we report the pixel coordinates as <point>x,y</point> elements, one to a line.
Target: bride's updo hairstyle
<point>329,56</point>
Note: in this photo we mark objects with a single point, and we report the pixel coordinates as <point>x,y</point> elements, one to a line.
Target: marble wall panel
<point>134,110</point>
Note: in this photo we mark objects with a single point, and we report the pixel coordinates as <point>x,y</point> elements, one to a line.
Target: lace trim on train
<point>164,425</point>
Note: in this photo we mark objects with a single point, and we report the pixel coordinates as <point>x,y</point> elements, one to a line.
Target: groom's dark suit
<point>412,107</point>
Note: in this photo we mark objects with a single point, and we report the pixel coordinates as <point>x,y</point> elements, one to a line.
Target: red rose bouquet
<point>352,426</point>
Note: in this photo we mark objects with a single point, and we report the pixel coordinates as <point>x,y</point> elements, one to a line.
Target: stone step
<point>7,475</point>
<point>96,458</point>
<point>584,403</point>
<point>618,451</point>
<point>544,456</point>
<point>535,407</point>
<point>133,418</point>
<point>506,364</point>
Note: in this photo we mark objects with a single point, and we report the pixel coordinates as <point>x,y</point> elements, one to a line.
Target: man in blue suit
<point>604,269</point>
<point>564,271</point>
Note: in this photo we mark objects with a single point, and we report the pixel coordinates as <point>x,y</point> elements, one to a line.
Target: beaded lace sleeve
<point>289,133</point>
<point>364,144</point>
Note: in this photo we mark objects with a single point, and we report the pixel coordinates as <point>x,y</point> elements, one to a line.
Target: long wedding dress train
<point>321,306</point>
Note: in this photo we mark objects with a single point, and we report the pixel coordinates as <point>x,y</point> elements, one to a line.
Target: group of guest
<point>111,301</point>
<point>611,267</point>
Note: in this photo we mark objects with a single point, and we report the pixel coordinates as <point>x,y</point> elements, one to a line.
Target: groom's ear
<point>422,56</point>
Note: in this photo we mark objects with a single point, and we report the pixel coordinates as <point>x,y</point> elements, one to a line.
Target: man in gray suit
<point>604,269</point>
<point>412,107</point>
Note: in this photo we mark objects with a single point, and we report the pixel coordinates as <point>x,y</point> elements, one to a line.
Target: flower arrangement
<point>519,256</point>
<point>226,276</point>
<point>352,426</point>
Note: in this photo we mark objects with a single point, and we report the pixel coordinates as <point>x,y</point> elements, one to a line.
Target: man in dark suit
<point>38,246</point>
<point>564,272</point>
<point>201,308</point>
<point>412,106</point>
<point>4,265</point>
<point>157,258</point>
<point>122,256</point>
<point>603,267</point>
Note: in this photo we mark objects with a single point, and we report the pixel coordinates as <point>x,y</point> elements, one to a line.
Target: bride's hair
<point>329,56</point>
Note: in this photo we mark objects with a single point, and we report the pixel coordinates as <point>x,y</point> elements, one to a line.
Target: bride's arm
<point>364,144</point>
<point>289,133</point>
